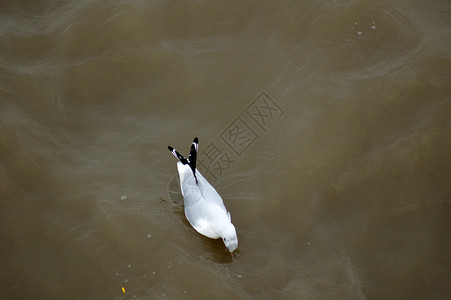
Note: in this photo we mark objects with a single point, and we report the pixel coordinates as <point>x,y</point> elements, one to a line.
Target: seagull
<point>204,208</point>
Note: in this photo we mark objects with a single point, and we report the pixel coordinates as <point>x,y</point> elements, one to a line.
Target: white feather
<point>204,208</point>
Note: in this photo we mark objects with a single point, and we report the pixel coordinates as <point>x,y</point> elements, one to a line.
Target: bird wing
<point>193,191</point>
<point>208,191</point>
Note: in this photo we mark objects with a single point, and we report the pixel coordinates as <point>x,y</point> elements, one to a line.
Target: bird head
<point>229,237</point>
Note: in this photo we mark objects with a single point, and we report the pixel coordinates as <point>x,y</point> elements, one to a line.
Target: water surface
<point>324,125</point>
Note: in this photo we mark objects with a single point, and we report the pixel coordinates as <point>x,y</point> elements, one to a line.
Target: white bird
<point>204,208</point>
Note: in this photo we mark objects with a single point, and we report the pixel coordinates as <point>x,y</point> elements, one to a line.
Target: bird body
<point>204,208</point>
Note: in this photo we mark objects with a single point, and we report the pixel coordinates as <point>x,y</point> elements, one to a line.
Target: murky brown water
<point>325,126</point>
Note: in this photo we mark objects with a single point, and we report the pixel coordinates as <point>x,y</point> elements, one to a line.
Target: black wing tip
<point>194,145</point>
<point>193,156</point>
<point>178,155</point>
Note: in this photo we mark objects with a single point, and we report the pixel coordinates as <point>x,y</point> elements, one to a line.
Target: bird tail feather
<point>191,161</point>
<point>193,155</point>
